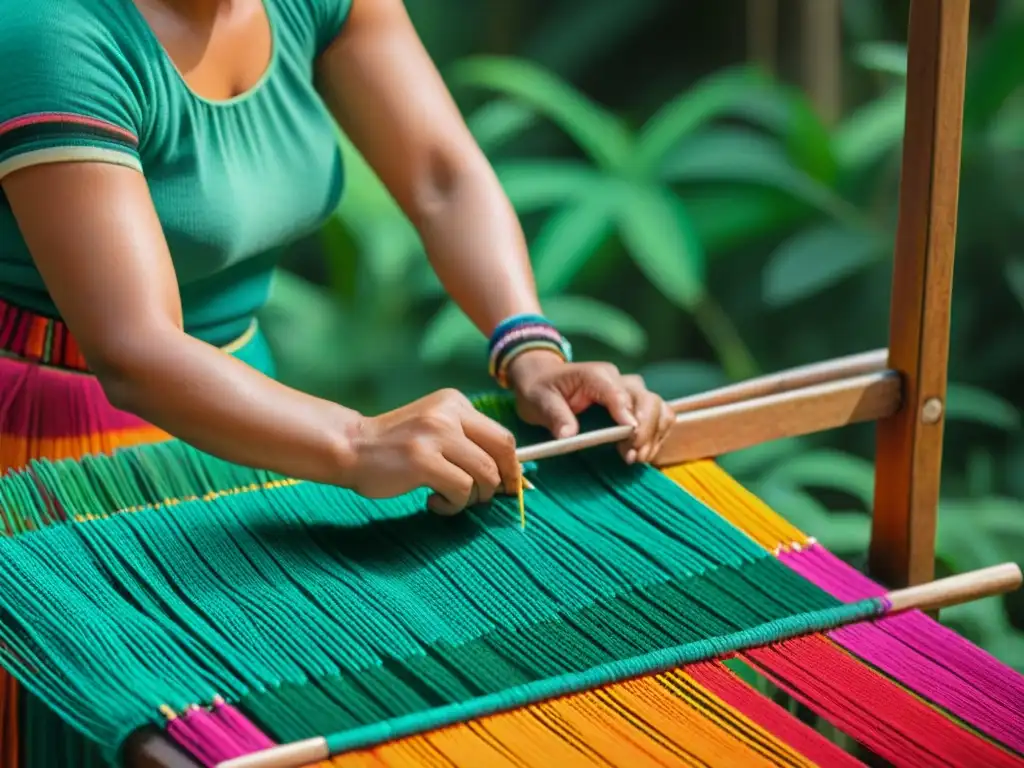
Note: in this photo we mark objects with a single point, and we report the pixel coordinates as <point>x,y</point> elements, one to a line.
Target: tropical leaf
<point>828,469</point>
<point>816,259</point>
<point>740,156</point>
<point>570,237</point>
<point>534,185</point>
<point>716,95</point>
<point>451,333</point>
<point>599,133</point>
<point>678,378</point>
<point>578,316</point>
<point>872,132</point>
<point>498,122</point>
<point>663,243</point>
<point>883,57</point>
<point>973,404</point>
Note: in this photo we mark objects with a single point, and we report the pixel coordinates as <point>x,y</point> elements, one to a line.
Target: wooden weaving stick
<point>798,401</point>
<point>942,593</point>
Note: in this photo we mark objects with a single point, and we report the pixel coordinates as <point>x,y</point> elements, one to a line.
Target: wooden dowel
<point>952,590</point>
<point>803,377</point>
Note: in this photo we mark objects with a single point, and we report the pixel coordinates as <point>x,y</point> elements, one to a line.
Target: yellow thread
<point>522,504</point>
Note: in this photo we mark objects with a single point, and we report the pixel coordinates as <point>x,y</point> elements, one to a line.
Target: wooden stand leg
<point>909,448</point>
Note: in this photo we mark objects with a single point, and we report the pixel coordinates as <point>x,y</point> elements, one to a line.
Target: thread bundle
<point>316,612</point>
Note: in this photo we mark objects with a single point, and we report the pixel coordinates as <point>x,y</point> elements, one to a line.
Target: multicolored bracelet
<point>519,334</point>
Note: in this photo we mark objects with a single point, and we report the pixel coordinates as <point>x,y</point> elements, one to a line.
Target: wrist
<point>531,365</point>
<point>344,435</point>
<point>526,335</point>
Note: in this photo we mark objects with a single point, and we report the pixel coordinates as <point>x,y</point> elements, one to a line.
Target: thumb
<point>554,413</point>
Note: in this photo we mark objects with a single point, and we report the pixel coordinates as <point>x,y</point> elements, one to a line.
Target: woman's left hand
<point>550,393</point>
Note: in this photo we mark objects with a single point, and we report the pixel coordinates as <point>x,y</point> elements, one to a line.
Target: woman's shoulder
<point>317,22</point>
<point>73,81</point>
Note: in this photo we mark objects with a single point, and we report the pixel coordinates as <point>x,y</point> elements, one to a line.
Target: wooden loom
<point>903,388</point>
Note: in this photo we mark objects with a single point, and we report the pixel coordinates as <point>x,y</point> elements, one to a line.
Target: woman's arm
<point>386,93</point>
<point>96,240</point>
<point>98,245</point>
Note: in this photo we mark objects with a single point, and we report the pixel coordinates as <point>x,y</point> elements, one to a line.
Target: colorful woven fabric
<point>51,409</point>
<point>258,610</point>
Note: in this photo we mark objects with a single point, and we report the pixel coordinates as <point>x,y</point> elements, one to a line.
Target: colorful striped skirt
<point>52,408</point>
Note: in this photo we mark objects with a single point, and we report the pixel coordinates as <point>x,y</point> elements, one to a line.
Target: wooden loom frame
<point>902,388</point>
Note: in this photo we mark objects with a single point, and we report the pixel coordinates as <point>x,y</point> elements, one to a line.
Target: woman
<point>155,158</point>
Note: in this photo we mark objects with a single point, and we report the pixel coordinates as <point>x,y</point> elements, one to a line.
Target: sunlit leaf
<point>816,259</point>
<point>498,122</point>
<point>788,112</point>
<point>663,243</point>
<point>884,57</point>
<point>745,157</point>
<point>709,99</point>
<point>578,316</point>
<point>533,185</point>
<point>448,334</point>
<point>872,132</point>
<point>599,133</point>
<point>570,237</point>
<point>828,469</point>
<point>967,403</point>
<point>732,215</point>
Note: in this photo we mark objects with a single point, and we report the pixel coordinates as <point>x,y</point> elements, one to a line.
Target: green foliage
<point>707,229</point>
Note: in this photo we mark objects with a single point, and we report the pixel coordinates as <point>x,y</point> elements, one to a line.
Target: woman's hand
<point>439,442</point>
<point>550,393</point>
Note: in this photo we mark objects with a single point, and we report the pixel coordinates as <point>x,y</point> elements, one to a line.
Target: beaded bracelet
<point>519,334</point>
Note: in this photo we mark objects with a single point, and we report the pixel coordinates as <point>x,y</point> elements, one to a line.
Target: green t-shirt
<point>233,181</point>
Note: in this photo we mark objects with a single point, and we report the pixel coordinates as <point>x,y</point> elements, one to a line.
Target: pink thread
<point>922,654</point>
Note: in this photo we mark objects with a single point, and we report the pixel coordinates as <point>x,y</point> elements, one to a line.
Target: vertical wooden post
<point>909,444</point>
<point>821,53</point>
<point>763,33</point>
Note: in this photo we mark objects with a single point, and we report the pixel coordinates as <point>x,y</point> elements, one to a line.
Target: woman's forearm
<point>223,407</point>
<point>476,247</point>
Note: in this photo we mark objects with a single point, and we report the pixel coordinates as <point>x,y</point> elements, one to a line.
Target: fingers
<point>454,489</point>
<point>554,413</point>
<point>474,461</point>
<point>607,387</point>
<point>498,444</point>
<point>654,421</point>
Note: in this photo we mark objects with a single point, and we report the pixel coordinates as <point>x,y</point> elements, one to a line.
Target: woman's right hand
<point>440,442</point>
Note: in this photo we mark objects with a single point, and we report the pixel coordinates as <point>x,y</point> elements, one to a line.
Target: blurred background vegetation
<point>709,191</point>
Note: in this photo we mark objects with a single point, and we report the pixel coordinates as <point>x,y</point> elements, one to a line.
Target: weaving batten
<point>942,593</point>
<point>839,391</point>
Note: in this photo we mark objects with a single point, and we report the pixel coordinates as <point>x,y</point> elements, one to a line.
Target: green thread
<point>656,661</point>
<point>317,609</point>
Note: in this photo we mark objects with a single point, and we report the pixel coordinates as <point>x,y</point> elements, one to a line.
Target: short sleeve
<point>64,94</point>
<point>330,19</point>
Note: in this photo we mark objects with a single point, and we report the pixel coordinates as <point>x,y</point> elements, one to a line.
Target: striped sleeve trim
<point>55,137</point>
<point>68,155</point>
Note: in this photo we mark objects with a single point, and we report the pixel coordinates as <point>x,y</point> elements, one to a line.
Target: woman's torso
<point>233,182</point>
